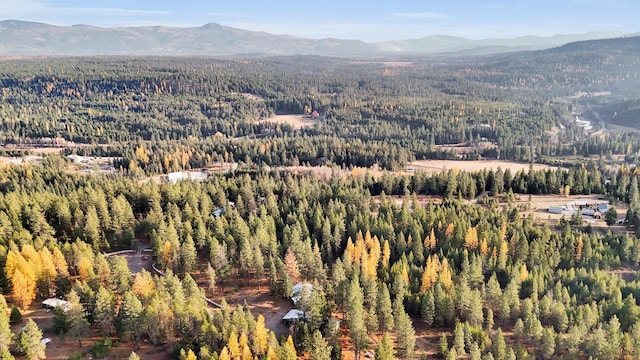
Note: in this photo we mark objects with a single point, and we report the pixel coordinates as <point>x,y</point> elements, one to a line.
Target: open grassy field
<point>296,121</point>
<point>435,166</point>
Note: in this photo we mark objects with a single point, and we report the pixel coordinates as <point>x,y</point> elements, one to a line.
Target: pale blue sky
<point>372,20</point>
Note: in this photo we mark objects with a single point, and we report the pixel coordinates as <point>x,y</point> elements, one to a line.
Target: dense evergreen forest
<point>467,264</point>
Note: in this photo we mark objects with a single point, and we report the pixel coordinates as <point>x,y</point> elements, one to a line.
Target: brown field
<point>296,121</point>
<point>435,166</point>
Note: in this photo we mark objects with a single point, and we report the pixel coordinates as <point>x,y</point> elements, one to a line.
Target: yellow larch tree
<point>260,337</point>
<point>233,345</point>
<point>484,247</point>
<point>85,269</point>
<point>450,229</point>
<point>350,249</point>
<point>143,286</point>
<point>224,354</point>
<point>524,273</point>
<point>445,274</point>
<point>271,354</point>
<point>503,254</point>
<point>430,240</point>
<point>471,238</point>
<point>386,254</point>
<point>579,245</point>
<point>60,262</point>
<point>430,274</point>
<point>24,282</point>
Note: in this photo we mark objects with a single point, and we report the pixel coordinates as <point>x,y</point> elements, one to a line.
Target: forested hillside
<point>398,262</point>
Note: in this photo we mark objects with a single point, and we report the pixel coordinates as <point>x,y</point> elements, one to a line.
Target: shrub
<point>15,316</point>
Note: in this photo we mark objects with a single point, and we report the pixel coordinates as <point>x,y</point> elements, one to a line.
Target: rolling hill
<point>31,38</point>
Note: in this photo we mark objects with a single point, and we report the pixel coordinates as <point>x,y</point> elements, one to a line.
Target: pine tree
<point>5,354</point>
<point>130,316</point>
<point>319,349</point>
<point>385,348</point>
<point>428,308</point>
<point>458,339</point>
<point>76,318</point>
<point>6,337</point>
<point>474,352</point>
<point>499,346</point>
<point>405,333</point>
<point>287,350</point>
<point>385,316</point>
<point>443,347</point>
<point>355,310</point>
<point>29,342</point>
<point>188,254</point>
<point>548,344</point>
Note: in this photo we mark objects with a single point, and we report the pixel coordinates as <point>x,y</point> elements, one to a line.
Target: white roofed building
<point>53,303</point>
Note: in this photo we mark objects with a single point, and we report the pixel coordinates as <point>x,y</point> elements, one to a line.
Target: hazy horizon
<point>367,21</point>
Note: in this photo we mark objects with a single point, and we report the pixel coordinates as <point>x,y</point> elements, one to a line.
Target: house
<point>52,303</point>
<point>174,177</point>
<point>293,316</point>
<point>297,291</point>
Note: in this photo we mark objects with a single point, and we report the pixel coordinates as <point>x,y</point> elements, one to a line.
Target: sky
<point>373,20</point>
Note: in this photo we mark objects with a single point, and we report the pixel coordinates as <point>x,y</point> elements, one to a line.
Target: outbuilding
<point>52,303</point>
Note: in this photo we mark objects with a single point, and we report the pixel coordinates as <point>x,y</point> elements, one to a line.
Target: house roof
<point>293,314</point>
<point>297,288</point>
<point>55,302</point>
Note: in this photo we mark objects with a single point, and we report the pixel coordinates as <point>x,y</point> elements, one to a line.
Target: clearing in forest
<point>296,121</point>
<point>436,166</point>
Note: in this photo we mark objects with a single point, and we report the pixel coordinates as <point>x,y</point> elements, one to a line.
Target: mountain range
<point>32,38</point>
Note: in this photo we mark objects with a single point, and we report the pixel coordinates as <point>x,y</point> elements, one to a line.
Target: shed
<point>557,209</point>
<point>293,315</point>
<point>52,303</point>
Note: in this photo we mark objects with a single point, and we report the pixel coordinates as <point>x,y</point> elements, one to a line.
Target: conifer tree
<point>76,318</point>
<point>288,350</point>
<point>355,310</point>
<point>5,354</point>
<point>188,254</point>
<point>458,339</point>
<point>428,308</point>
<point>260,337</point>
<point>385,316</point>
<point>6,337</point>
<point>319,349</point>
<point>29,342</point>
<point>130,316</point>
<point>405,333</point>
<point>443,347</point>
<point>499,346</point>
<point>384,351</point>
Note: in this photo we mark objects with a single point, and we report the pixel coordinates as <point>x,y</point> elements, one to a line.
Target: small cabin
<point>52,303</point>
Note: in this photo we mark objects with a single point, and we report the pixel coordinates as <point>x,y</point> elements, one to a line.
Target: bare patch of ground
<point>252,293</point>
<point>255,295</point>
<point>296,121</point>
<point>628,274</point>
<point>436,166</point>
<point>29,159</point>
